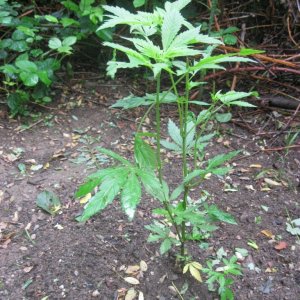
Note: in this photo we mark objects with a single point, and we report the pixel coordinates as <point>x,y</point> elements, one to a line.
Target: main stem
<point>184,159</point>
<point>158,157</point>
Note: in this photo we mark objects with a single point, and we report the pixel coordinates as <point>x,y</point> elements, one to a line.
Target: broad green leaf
<point>131,195</point>
<point>54,43</point>
<point>49,202</point>
<point>66,22</point>
<point>26,65</point>
<point>171,25</point>
<point>230,96</point>
<point>138,3</point>
<point>29,79</point>
<point>144,154</point>
<point>43,76</point>
<point>242,104</point>
<point>223,117</point>
<point>69,41</point>
<point>51,19</point>
<point>165,246</point>
<point>65,49</point>
<point>85,5</point>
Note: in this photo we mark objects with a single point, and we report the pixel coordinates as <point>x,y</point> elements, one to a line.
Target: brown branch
<point>264,58</point>
<point>247,69</point>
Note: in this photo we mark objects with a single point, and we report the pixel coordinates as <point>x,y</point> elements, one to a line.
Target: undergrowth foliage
<point>166,43</point>
<point>33,46</point>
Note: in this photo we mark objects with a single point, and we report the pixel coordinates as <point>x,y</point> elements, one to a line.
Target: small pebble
<point>95,293</point>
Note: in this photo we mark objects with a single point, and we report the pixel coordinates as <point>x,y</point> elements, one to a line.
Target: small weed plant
<point>170,47</point>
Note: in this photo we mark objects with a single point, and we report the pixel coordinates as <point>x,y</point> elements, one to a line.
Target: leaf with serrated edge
<point>170,28</point>
<point>131,195</point>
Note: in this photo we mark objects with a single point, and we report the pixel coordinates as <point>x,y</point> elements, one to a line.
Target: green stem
<point>184,158</point>
<point>158,128</point>
<point>158,157</point>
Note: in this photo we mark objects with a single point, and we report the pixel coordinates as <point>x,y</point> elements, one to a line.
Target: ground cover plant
<point>177,51</point>
<point>34,45</point>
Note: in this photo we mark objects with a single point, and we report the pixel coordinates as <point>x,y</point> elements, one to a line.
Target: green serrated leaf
<point>108,190</point>
<point>144,154</point>
<point>220,215</point>
<point>221,159</point>
<point>152,185</point>
<point>114,155</point>
<point>131,195</point>
<point>170,28</point>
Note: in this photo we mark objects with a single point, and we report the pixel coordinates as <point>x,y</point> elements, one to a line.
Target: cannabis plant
<point>165,43</point>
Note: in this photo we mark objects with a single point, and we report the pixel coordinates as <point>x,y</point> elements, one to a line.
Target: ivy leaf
<point>131,195</point>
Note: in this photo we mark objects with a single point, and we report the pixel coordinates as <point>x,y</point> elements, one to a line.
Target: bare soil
<point>54,256</point>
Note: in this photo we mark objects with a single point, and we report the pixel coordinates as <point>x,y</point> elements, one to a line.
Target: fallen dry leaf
<point>131,280</point>
<point>281,246</point>
<point>132,269</point>
<point>86,198</point>
<point>143,266</point>
<point>141,296</point>
<point>268,234</point>
<point>28,269</point>
<point>257,166</point>
<point>131,294</point>
<point>271,270</point>
<point>272,182</point>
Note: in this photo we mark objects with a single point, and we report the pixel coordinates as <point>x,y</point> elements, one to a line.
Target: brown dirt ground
<point>57,257</point>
